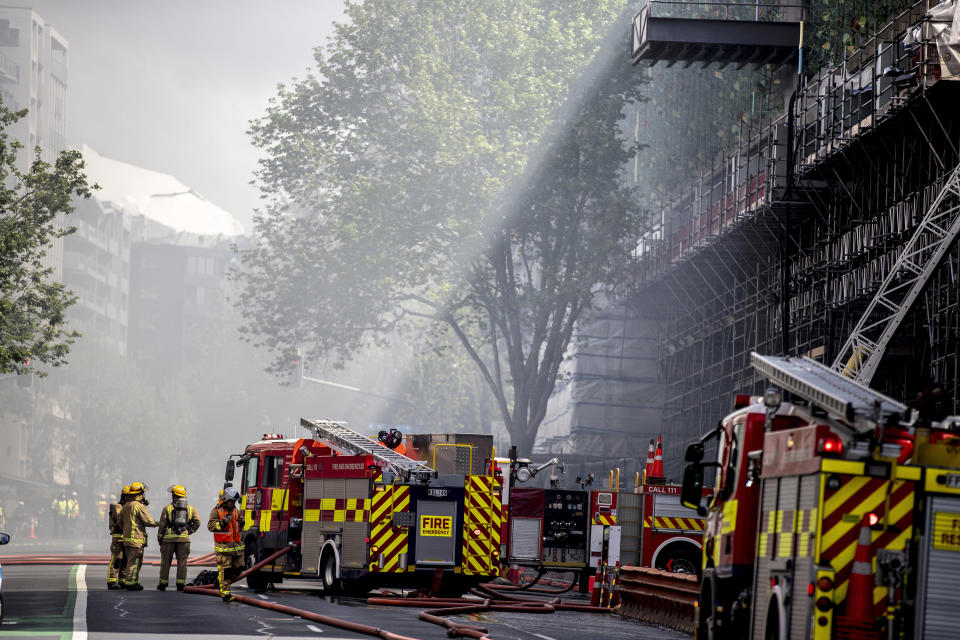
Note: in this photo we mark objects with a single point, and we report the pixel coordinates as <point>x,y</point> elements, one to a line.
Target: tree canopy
<point>453,163</point>
<point>32,304</point>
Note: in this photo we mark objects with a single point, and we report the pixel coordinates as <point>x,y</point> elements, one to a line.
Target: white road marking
<point>80,605</point>
<point>314,629</point>
<point>540,636</point>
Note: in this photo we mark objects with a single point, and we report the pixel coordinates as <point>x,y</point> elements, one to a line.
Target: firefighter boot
<point>179,587</point>
<point>161,587</point>
<point>113,586</point>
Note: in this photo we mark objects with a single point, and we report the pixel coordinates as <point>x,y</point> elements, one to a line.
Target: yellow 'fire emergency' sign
<point>436,526</point>
<point>946,531</point>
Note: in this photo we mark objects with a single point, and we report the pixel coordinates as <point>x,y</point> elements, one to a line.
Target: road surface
<point>71,602</point>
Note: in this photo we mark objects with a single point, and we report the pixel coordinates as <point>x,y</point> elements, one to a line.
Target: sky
<point>172,85</point>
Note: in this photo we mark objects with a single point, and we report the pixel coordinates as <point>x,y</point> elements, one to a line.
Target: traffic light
<point>25,379</point>
<point>296,362</point>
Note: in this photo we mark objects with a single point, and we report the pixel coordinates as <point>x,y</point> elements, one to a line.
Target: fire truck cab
<point>356,514</point>
<point>827,516</point>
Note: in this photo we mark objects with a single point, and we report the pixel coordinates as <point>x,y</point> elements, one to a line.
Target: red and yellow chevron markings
<point>386,540</point>
<point>604,519</point>
<point>482,514</point>
<point>677,524</point>
<point>843,509</point>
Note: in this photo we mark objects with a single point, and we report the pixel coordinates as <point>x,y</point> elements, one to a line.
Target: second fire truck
<point>357,514</point>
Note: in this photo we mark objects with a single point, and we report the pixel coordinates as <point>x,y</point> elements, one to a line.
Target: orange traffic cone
<point>649,467</point>
<point>33,523</point>
<point>859,617</point>
<point>595,585</point>
<point>656,474</point>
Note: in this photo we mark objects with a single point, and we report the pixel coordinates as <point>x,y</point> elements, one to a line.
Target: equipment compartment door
<point>437,533</point>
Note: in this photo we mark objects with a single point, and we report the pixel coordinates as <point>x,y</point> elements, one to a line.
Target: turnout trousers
<point>132,558</point>
<point>167,551</point>
<point>229,566</point>
<point>116,562</point>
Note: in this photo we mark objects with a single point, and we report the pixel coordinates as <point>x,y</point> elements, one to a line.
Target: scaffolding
<point>876,140</point>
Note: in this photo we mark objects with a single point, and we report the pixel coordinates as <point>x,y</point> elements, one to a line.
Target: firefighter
<point>102,507</point>
<point>115,525</point>
<point>59,511</point>
<point>178,521</point>
<point>73,508</point>
<point>224,522</point>
<point>136,519</point>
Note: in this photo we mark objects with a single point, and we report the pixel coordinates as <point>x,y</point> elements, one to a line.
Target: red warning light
<point>872,519</point>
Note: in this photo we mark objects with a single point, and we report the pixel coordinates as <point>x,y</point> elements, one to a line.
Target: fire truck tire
<point>328,574</point>
<point>258,579</point>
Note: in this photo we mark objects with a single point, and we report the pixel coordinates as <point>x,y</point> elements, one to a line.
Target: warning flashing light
<point>824,583</point>
<point>810,589</point>
<point>741,400</point>
<point>273,436</point>
<point>830,445</point>
<point>872,519</point>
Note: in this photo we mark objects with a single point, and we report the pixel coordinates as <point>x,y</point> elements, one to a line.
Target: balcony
<point>674,31</point>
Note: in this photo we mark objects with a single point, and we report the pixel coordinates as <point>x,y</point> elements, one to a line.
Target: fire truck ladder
<point>848,402</point>
<point>919,259</point>
<point>348,442</point>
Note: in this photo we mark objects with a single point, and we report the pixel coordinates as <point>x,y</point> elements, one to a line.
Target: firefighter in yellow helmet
<point>224,523</point>
<point>136,519</point>
<point>115,525</point>
<point>178,521</point>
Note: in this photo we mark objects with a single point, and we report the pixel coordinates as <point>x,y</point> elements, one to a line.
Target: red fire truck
<point>358,514</point>
<point>672,534</point>
<point>831,516</point>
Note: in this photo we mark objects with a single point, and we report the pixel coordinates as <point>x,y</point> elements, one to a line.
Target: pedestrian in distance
<point>178,521</point>
<point>224,523</point>
<point>136,519</point>
<point>59,511</point>
<point>115,526</point>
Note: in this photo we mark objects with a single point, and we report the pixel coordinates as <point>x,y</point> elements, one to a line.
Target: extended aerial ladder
<point>851,404</point>
<point>346,441</point>
<point>917,262</point>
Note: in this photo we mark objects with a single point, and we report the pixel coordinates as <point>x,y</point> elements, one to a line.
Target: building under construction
<point>827,231</point>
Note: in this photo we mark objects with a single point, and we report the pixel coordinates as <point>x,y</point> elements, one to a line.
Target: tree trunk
<point>524,442</point>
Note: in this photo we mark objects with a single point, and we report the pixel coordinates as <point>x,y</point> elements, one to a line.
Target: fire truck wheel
<point>258,579</point>
<point>328,574</point>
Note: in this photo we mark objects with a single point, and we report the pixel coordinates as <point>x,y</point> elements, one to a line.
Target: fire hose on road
<point>492,599</point>
<point>661,597</point>
<point>206,560</point>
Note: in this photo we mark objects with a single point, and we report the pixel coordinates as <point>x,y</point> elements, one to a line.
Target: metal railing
<point>833,108</point>
<point>733,189</point>
<point>745,11</point>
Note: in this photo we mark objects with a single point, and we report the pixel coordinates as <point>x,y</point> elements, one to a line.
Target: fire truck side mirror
<point>231,468</point>
<point>692,489</point>
<point>694,453</point>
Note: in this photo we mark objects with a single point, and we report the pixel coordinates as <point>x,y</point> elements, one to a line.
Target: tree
<point>32,305</point>
<point>448,165</point>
